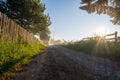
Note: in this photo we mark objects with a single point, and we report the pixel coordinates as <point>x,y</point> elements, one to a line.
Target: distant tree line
<point>29,14</point>
<point>109,7</point>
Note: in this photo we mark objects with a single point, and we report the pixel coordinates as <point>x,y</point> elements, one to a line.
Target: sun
<point>101,31</point>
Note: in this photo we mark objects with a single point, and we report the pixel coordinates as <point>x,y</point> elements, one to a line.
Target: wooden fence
<point>109,37</point>
<point>115,36</point>
<point>11,31</point>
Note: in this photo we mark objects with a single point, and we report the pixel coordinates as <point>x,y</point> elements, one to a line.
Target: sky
<point>71,23</point>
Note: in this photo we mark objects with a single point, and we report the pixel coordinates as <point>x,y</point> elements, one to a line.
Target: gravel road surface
<point>59,63</point>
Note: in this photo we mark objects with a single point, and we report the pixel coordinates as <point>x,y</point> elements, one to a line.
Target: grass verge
<point>16,54</point>
<point>101,48</point>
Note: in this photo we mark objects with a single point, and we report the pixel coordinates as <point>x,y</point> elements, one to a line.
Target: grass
<point>16,54</point>
<point>99,48</point>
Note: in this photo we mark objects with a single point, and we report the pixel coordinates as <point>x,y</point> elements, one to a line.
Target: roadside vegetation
<point>107,7</point>
<point>13,55</point>
<point>99,48</point>
<point>29,20</point>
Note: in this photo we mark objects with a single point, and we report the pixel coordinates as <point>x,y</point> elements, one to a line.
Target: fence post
<point>0,24</point>
<point>116,38</point>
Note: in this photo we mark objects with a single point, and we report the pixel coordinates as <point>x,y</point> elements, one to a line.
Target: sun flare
<point>101,31</point>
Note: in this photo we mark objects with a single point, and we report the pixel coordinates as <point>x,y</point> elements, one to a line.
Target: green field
<point>17,54</point>
<point>110,50</point>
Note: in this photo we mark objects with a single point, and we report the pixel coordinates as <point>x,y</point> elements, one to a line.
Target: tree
<point>109,7</point>
<point>44,36</point>
<point>29,14</point>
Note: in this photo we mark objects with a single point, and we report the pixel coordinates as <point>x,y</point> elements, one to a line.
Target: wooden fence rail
<point>114,37</point>
<point>11,31</point>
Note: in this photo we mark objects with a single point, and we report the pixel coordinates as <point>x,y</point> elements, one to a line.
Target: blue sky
<point>71,23</point>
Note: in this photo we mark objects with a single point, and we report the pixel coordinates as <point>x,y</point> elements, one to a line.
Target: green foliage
<point>12,55</point>
<point>29,14</point>
<point>83,46</point>
<point>105,49</point>
<point>109,7</point>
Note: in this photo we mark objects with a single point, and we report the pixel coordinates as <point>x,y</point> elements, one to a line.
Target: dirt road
<point>59,63</point>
